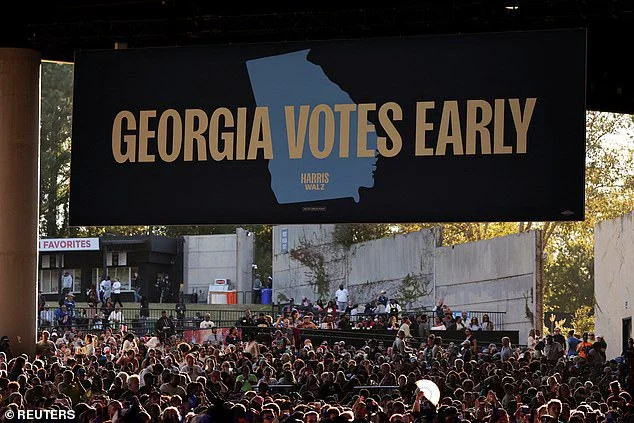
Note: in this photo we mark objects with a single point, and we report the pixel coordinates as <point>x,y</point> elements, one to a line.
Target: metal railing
<point>142,320</point>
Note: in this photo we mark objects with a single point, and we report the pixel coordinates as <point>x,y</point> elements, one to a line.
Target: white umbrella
<point>430,390</point>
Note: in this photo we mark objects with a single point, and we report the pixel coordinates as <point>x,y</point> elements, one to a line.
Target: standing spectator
<point>257,290</point>
<point>573,341</point>
<point>116,292</point>
<point>67,283</point>
<point>136,287</point>
<point>45,347</point>
<point>342,298</point>
<point>164,327</point>
<point>584,346</point>
<point>145,307</point>
<point>180,312</point>
<point>394,308</point>
<point>207,323</point>
<point>381,302</point>
<point>47,317</point>
<point>506,351</point>
<point>105,289</point>
<point>115,318</point>
<point>423,326</point>
<point>553,350</point>
<point>70,304</point>
<point>558,337</point>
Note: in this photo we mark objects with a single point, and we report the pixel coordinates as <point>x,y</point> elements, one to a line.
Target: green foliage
<point>345,235</point>
<point>310,256</point>
<point>583,320</point>
<point>570,276</point>
<point>55,137</point>
<point>413,288</point>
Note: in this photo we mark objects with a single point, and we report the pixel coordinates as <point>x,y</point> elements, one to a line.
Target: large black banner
<point>485,127</point>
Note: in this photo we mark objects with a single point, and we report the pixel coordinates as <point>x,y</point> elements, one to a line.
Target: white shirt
<point>116,287</point>
<point>116,316</point>
<point>207,324</point>
<point>342,295</point>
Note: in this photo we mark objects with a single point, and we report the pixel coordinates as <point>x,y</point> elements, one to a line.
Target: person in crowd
<point>164,327</point>
<point>105,289</point>
<point>394,309</point>
<point>487,324</point>
<point>67,282</point>
<point>116,318</point>
<point>116,292</point>
<point>458,324</point>
<point>341,295</point>
<point>474,325</point>
<point>207,323</point>
<point>438,324</point>
<point>257,289</point>
<point>558,337</point>
<point>572,341</point>
<point>553,349</point>
<point>47,317</point>
<point>198,381</point>
<point>70,304</point>
<point>331,308</point>
<point>583,348</point>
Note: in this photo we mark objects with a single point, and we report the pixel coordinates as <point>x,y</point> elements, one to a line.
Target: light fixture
<point>512,4</point>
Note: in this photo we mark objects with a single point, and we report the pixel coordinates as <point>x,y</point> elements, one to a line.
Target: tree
<point>55,139</point>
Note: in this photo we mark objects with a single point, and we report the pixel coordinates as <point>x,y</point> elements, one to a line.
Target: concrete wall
<point>498,274</point>
<point>493,275</point>
<point>210,257</point>
<point>613,276</point>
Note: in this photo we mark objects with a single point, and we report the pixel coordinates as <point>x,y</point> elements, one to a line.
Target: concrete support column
<point>19,195</point>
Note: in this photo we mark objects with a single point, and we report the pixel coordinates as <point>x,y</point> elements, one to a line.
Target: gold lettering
<point>422,126</point>
<point>363,128</point>
<point>296,137</point>
<point>129,140</point>
<point>329,131</point>
<point>522,123</point>
<point>241,134</point>
<point>261,134</point>
<point>344,128</point>
<point>227,137</point>
<point>177,135</point>
<point>390,129</point>
<point>474,127</point>
<point>195,126</point>
<point>450,118</point>
<point>144,135</point>
<point>498,129</point>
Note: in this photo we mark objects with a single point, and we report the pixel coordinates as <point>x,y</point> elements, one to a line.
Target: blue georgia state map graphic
<point>292,80</point>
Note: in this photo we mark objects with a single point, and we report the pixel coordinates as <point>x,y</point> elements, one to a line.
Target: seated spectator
<point>486,322</point>
<point>474,325</point>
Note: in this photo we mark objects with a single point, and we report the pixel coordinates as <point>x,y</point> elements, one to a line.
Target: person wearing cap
<point>70,304</point>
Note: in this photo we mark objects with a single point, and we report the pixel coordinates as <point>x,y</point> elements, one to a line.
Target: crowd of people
<point>113,375</point>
